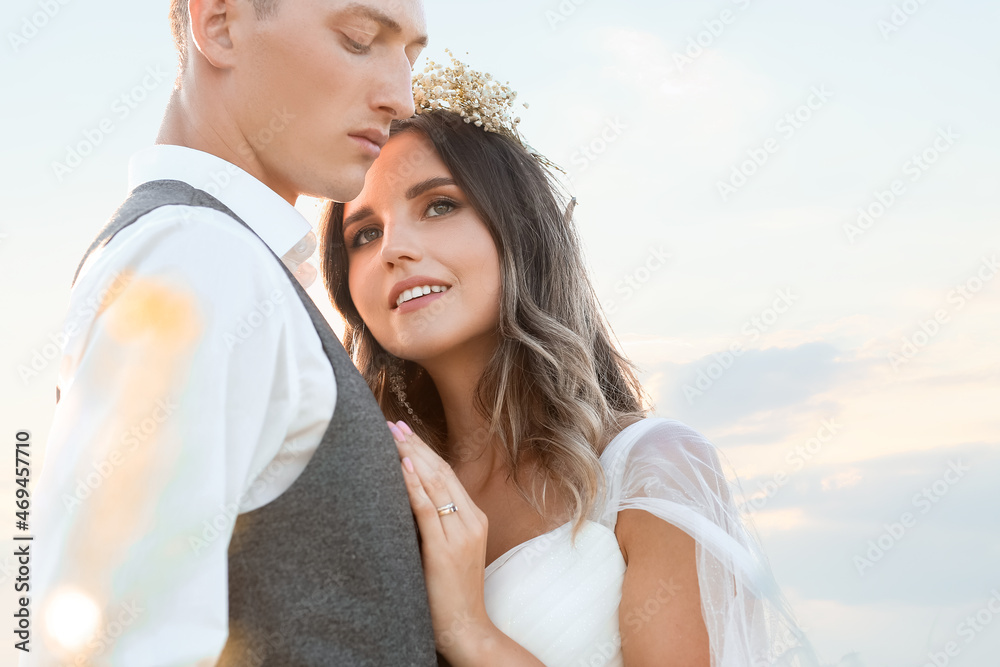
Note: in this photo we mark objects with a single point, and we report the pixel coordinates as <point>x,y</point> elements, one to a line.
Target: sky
<point>790,214</point>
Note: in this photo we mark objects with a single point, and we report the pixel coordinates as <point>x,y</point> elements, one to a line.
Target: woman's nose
<point>400,243</point>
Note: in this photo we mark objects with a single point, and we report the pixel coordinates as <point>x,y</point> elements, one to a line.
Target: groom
<point>220,487</point>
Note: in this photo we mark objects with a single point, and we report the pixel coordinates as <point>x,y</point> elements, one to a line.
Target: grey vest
<point>329,572</point>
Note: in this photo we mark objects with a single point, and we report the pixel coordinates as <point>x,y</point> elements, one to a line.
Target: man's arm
<point>163,404</point>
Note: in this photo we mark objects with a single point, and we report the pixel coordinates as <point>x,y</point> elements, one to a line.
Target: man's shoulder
<point>205,253</point>
<point>185,223</point>
<point>183,238</point>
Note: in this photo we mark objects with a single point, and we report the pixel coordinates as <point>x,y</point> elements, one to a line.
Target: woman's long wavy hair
<point>556,389</point>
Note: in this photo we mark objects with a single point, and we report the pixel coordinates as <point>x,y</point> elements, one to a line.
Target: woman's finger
<point>439,480</point>
<point>441,492</point>
<point>423,507</point>
<point>435,485</point>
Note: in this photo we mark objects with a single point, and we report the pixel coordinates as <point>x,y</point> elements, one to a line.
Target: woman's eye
<point>439,208</point>
<point>366,236</point>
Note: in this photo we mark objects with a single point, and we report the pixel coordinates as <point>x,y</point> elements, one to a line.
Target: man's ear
<point>212,23</point>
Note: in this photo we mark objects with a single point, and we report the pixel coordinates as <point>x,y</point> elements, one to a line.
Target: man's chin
<point>341,191</point>
<point>344,186</point>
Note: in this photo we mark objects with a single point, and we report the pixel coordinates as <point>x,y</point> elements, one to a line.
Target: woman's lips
<point>419,302</point>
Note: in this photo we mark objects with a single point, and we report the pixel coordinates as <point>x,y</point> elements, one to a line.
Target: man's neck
<point>202,128</point>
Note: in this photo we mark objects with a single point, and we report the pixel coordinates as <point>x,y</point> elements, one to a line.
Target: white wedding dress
<point>560,600</point>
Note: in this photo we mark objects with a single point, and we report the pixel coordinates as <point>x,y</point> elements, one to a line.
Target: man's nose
<point>397,88</point>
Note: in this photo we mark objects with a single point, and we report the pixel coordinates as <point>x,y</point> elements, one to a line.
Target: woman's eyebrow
<point>431,183</point>
<point>358,216</point>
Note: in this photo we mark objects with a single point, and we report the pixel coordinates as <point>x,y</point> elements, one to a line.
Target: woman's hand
<point>453,548</point>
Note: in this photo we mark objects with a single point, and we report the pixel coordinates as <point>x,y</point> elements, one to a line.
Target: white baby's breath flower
<point>475,96</point>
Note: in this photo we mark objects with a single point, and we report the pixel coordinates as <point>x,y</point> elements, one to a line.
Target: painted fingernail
<point>396,433</point>
<point>405,428</point>
<point>407,463</point>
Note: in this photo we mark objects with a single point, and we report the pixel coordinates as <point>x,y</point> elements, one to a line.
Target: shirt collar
<point>273,219</point>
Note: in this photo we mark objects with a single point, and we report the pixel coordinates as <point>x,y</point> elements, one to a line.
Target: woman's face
<point>412,231</point>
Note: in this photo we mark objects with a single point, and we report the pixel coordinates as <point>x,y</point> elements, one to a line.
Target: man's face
<point>317,84</point>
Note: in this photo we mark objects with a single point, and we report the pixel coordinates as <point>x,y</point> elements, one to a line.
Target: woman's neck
<point>476,458</point>
<point>471,449</point>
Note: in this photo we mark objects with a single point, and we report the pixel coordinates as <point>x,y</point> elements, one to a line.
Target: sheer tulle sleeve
<point>670,470</point>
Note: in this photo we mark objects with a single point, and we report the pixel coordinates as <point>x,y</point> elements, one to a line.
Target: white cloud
<point>841,480</point>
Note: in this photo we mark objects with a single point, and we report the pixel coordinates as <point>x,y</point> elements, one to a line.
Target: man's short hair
<point>179,23</point>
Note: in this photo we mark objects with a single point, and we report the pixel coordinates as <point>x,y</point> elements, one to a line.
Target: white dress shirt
<point>193,387</point>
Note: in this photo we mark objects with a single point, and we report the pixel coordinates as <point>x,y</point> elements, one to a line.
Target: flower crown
<point>476,96</point>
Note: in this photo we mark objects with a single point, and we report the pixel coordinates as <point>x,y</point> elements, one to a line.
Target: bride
<point>560,524</point>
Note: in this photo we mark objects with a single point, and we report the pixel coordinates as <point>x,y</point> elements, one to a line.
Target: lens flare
<point>72,618</point>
